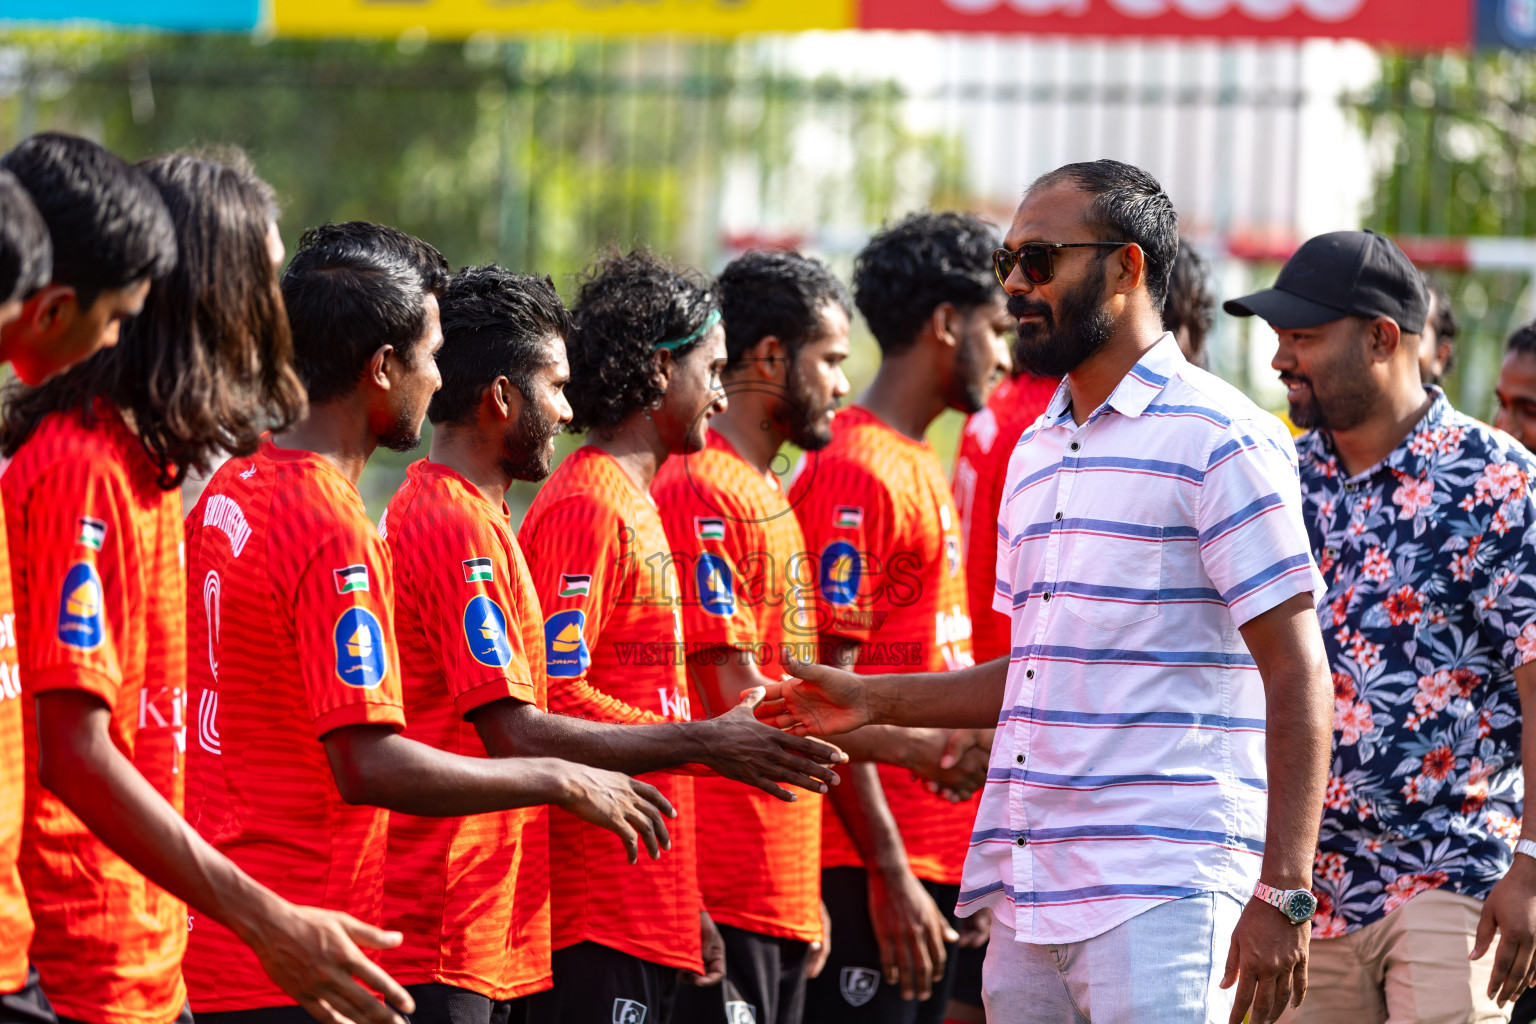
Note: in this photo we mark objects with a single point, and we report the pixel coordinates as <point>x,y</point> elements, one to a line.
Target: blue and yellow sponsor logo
<point>485,630</point>
<point>565,647</point>
<point>81,622</point>
<point>716,592</point>
<point>840,573</point>
<point>360,654</point>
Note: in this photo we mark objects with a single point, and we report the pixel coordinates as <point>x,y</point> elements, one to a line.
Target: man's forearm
<point>511,728</point>
<point>971,698</point>
<point>861,806</point>
<point>1298,738</point>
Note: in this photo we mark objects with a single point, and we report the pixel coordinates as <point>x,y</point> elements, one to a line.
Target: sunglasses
<point>1038,259</point>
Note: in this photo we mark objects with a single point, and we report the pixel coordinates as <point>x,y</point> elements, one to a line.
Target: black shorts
<point>597,984</point>
<point>851,989</point>
<point>184,1017</point>
<point>967,987</point>
<point>448,1004</point>
<point>290,1013</point>
<point>764,983</point>
<point>27,1005</point>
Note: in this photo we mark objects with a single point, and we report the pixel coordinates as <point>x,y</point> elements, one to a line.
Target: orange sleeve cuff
<point>72,677</point>
<point>360,714</point>
<point>495,690</point>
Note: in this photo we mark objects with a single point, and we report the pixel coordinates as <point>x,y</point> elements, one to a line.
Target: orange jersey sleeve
<point>15,918</point>
<point>94,544</point>
<point>470,894</point>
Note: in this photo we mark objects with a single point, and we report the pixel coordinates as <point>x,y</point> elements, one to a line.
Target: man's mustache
<point>1019,306</point>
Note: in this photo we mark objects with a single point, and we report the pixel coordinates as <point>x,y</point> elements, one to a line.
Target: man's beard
<point>1052,347</point>
<point>968,390</point>
<point>806,427</point>
<point>1344,403</point>
<point>525,453</point>
<point>404,435</point>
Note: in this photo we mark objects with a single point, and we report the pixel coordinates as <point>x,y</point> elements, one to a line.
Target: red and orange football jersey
<point>877,512</point>
<point>746,582</point>
<point>95,559</point>
<point>291,634</point>
<point>613,651</point>
<point>15,918</point>
<point>470,894</point>
<point>981,469</point>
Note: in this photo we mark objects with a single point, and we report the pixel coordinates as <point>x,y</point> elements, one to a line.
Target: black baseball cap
<point>1342,273</point>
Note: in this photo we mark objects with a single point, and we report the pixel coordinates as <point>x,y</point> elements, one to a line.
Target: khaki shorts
<point>1408,966</point>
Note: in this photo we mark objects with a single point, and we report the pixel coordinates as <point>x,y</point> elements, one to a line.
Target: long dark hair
<point>208,365</point>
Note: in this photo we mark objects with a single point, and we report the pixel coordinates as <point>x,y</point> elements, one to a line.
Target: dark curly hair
<point>626,306</point>
<point>775,292</point>
<point>208,364</point>
<point>909,269</point>
<point>1190,304</point>
<point>494,325</point>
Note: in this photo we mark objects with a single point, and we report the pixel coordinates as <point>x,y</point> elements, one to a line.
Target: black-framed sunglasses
<point>1038,259</point>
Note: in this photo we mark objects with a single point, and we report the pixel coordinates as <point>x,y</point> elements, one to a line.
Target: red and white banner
<point>1416,25</point>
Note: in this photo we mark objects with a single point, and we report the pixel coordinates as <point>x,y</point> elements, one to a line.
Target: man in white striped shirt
<point>1165,715</point>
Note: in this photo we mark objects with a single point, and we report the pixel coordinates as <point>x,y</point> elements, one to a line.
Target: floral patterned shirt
<point>1431,605</point>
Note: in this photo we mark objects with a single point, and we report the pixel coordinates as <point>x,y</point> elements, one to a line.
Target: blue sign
<point>716,592</point>
<point>179,15</point>
<point>565,647</point>
<point>485,630</point>
<point>81,622</point>
<point>360,649</point>
<point>840,573</point>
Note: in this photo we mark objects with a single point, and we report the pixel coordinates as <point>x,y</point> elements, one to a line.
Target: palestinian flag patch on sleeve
<point>477,570</point>
<point>93,533</point>
<point>848,517</point>
<point>351,578</point>
<point>709,527</point>
<point>574,586</point>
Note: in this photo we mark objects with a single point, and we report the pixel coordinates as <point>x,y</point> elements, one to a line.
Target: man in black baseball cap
<point>1417,517</point>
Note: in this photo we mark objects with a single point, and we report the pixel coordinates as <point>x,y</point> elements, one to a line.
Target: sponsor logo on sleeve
<point>858,985</point>
<point>848,517</point>
<point>81,622</point>
<point>93,533</point>
<point>350,578</point>
<point>477,570</point>
<point>840,573</point>
<point>485,630</point>
<point>359,649</point>
<point>574,586</point>
<point>565,647</point>
<point>716,594</point>
<point>627,1011</point>
<point>709,527</point>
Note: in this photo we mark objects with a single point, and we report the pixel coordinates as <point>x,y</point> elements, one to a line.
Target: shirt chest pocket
<point>1113,579</point>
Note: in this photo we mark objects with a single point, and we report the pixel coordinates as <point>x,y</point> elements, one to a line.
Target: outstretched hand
<point>313,956</point>
<point>815,700</point>
<point>635,811</point>
<point>740,747</point>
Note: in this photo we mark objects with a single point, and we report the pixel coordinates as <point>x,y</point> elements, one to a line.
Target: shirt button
<point>1029,673</point>
<point>1074,446</point>
<point>1020,840</point>
<point>1019,758</point>
<point>1047,596</point>
<point>1058,517</point>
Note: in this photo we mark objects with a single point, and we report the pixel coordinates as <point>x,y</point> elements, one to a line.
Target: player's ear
<point>377,371</point>
<point>503,400</point>
<point>771,358</point>
<point>661,368</point>
<point>50,310</point>
<point>947,324</point>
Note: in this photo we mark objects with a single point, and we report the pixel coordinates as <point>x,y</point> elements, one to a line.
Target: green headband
<point>704,328</point>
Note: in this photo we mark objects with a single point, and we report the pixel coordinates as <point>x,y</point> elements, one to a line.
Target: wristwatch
<point>1526,846</point>
<point>1298,905</point>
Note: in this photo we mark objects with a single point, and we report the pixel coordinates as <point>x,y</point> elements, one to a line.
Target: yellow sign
<point>457,19</point>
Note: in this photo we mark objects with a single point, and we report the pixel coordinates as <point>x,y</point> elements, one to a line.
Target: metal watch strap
<point>1269,894</point>
<point>1527,847</point>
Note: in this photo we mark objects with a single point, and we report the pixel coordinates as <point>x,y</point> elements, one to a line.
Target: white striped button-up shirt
<point>1129,765</point>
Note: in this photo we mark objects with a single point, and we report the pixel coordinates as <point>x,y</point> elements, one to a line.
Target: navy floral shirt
<point>1431,605</point>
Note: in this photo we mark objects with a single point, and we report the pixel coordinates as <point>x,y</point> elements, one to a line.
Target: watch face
<point>1299,906</point>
